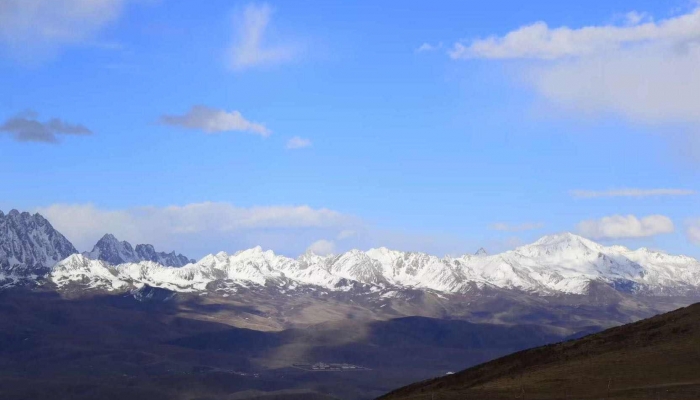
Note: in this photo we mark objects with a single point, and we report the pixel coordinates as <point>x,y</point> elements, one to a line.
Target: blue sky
<point>334,125</point>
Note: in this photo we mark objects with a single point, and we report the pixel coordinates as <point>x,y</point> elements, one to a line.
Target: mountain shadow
<point>119,346</point>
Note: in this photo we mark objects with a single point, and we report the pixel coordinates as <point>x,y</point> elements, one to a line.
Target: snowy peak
<point>565,240</point>
<point>29,244</point>
<point>556,264</point>
<point>115,252</point>
<point>562,244</point>
<point>112,251</point>
<point>481,252</point>
<point>80,270</point>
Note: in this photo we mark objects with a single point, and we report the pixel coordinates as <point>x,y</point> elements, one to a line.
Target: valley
<point>116,346</point>
<point>241,325</point>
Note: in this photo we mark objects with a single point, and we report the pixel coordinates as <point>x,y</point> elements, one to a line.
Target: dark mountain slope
<point>118,346</point>
<point>656,358</point>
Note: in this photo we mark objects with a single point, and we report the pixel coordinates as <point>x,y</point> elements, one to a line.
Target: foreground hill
<point>657,358</point>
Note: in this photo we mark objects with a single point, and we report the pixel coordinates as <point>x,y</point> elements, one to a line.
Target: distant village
<point>321,366</point>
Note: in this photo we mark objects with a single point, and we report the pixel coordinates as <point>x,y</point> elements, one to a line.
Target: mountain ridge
<point>115,252</point>
<point>558,264</point>
<point>555,264</point>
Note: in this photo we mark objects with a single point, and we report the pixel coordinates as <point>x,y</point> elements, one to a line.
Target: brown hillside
<point>656,358</point>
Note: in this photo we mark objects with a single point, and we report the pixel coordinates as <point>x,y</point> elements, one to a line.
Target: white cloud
<point>643,71</point>
<point>212,120</point>
<point>249,48</point>
<point>539,41</point>
<point>346,234</point>
<point>501,226</point>
<point>203,228</point>
<point>636,18</point>
<point>652,84</point>
<point>33,29</point>
<point>629,226</point>
<point>322,247</point>
<point>198,228</point>
<point>298,143</point>
<point>428,47</point>
<point>630,192</point>
<point>693,231</point>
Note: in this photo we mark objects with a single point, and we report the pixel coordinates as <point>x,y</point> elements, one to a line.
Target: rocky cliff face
<point>115,252</point>
<point>146,252</point>
<point>29,246</point>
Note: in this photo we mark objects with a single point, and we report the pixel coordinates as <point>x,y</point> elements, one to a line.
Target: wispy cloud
<point>693,231</point>
<point>298,143</point>
<point>250,48</point>
<point>25,127</point>
<point>322,247</point>
<point>212,120</point>
<point>625,226</point>
<point>428,47</point>
<point>501,226</point>
<point>346,234</point>
<point>34,29</point>
<point>200,227</point>
<point>631,192</point>
<point>539,41</point>
<point>642,70</point>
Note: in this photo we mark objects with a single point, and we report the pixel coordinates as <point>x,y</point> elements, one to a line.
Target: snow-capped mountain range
<point>556,264</point>
<point>30,246</point>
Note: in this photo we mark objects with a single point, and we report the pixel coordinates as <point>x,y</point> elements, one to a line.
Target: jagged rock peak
<point>113,251</point>
<point>29,245</point>
<point>481,252</point>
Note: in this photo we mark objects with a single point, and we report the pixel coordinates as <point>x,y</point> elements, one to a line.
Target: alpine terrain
<point>255,322</point>
<point>554,265</point>
<point>114,252</point>
<point>29,247</point>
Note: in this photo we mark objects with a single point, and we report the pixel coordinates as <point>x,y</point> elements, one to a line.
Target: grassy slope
<point>656,358</point>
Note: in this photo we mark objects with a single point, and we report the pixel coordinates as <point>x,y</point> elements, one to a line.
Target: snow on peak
<point>29,244</point>
<point>565,240</point>
<point>78,268</point>
<point>564,245</point>
<point>562,263</point>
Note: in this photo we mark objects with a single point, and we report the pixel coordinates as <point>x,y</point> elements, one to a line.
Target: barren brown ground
<point>657,358</point>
